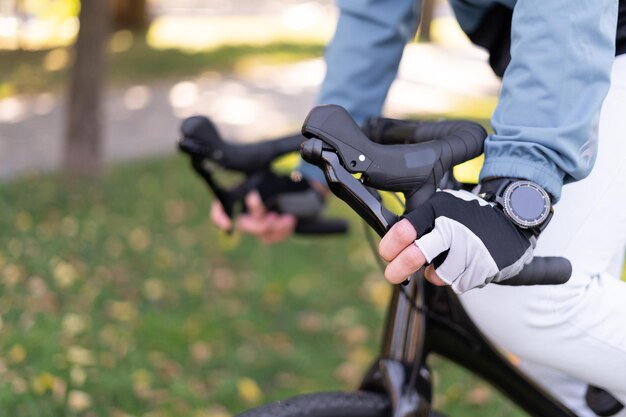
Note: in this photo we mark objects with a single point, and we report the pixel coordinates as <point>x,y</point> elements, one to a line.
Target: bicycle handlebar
<point>201,140</point>
<point>338,146</point>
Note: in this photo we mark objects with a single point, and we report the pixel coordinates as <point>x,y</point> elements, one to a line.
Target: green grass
<point>118,298</point>
<point>24,71</point>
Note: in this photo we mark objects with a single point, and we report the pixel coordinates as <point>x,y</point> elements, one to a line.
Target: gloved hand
<point>272,209</point>
<point>467,242</point>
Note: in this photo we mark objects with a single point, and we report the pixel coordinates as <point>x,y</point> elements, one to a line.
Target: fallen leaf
<point>78,355</point>
<point>11,275</point>
<point>69,226</point>
<point>379,292</point>
<point>479,395</point>
<point>64,274</point>
<point>78,376</point>
<point>23,221</point>
<point>200,352</point>
<point>249,391</point>
<point>153,289</point>
<point>139,239</point>
<point>310,322</point>
<point>42,383</point>
<point>73,324</point>
<point>121,311</point>
<point>59,387</point>
<point>78,401</point>
<point>356,335</point>
<point>223,279</point>
<point>349,373</point>
<point>17,354</point>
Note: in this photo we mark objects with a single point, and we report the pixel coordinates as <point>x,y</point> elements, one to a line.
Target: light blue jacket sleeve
<point>546,120</point>
<point>547,117</point>
<point>363,57</point>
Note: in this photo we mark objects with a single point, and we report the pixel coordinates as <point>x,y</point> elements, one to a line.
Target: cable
<point>416,308</point>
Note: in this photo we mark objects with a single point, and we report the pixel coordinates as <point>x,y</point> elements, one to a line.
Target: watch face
<point>526,203</point>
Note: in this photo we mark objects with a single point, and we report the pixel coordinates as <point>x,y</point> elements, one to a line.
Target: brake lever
<point>347,187</point>
<point>228,203</point>
<point>229,199</point>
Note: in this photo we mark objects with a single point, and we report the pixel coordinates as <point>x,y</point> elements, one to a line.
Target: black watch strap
<point>493,187</point>
<point>494,190</point>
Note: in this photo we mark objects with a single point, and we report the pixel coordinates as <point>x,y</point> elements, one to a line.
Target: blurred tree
<point>84,128</point>
<point>129,14</point>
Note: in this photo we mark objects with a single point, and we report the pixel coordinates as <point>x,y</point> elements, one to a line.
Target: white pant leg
<point>579,328</point>
<point>569,390</point>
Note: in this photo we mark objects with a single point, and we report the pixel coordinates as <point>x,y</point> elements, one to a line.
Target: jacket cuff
<point>550,179</point>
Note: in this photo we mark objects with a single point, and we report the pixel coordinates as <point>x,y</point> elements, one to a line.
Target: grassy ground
<point>117,298</point>
<point>132,60</point>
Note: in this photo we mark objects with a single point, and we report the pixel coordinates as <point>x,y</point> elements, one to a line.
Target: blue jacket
<point>546,120</point>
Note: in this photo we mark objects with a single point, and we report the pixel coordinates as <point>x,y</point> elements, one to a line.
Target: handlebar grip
<point>425,131</point>
<point>549,270</point>
<point>388,131</point>
<point>321,226</point>
<point>463,144</point>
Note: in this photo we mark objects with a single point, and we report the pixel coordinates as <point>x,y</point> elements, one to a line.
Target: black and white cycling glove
<point>470,242</point>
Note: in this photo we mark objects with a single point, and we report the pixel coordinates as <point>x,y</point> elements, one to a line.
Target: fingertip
<point>392,275</point>
<point>253,198</point>
<point>383,250</point>
<point>254,203</point>
<point>287,221</point>
<point>401,235</point>
<point>219,217</point>
<point>388,248</point>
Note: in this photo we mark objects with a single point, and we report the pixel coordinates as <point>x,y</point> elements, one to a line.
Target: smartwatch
<point>525,203</point>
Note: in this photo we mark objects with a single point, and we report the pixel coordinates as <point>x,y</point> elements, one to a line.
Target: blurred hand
<point>269,227</point>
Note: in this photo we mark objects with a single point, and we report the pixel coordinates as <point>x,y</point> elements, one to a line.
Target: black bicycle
<point>408,157</point>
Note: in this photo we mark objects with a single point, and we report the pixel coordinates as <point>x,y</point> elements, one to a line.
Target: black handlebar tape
<point>461,145</point>
<point>542,271</point>
<point>201,137</point>
<point>321,226</point>
<point>392,131</point>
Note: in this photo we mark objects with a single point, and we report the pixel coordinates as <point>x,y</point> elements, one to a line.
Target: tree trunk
<point>129,14</point>
<point>83,145</point>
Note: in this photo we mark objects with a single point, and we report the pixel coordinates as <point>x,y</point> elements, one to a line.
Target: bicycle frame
<point>424,319</point>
